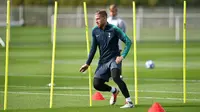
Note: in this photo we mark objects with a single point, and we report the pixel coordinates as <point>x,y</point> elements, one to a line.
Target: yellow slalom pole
<point>184,52</point>
<point>7,54</point>
<point>135,53</point>
<point>53,54</point>
<point>88,50</point>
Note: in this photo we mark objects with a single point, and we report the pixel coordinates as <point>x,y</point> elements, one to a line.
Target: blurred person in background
<point>106,36</point>
<point>114,20</point>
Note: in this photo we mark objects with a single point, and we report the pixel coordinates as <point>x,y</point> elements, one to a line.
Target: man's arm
<point>123,37</point>
<point>92,50</point>
<point>122,25</point>
<point>91,55</point>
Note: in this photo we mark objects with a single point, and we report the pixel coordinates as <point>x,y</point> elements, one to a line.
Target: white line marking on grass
<point>86,89</point>
<point>84,95</point>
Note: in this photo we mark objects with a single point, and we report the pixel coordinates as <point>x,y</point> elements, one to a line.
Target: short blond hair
<point>113,6</point>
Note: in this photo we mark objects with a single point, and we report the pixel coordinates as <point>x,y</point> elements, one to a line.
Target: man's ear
<point>105,18</point>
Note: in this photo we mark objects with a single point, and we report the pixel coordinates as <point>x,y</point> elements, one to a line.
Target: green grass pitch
<point>30,71</point>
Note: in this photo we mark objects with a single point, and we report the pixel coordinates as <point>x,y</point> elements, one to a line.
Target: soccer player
<point>113,19</point>
<point>106,36</point>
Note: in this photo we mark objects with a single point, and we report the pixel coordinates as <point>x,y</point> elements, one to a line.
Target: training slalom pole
<point>7,54</point>
<point>135,53</point>
<point>184,52</point>
<point>88,50</point>
<point>53,54</point>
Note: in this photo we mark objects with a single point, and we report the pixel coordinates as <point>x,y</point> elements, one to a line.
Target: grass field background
<point>30,70</point>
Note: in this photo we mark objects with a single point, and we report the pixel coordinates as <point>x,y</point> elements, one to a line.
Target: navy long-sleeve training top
<point>107,41</point>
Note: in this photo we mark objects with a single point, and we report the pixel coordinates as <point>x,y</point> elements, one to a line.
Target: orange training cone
<point>156,107</point>
<point>98,96</point>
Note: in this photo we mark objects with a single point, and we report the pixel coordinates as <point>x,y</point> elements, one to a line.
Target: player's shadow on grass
<point>117,106</point>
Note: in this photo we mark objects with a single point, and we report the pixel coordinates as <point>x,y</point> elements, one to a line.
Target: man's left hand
<point>119,59</point>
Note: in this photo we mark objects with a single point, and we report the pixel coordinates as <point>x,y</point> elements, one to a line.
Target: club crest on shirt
<point>108,34</point>
<point>97,35</point>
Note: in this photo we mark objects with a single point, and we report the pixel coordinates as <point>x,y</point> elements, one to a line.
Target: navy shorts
<point>103,71</point>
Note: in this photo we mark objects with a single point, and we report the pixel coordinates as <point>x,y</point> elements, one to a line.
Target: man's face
<point>113,12</point>
<point>100,20</point>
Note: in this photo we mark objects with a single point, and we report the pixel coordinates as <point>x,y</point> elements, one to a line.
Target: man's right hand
<point>84,68</point>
